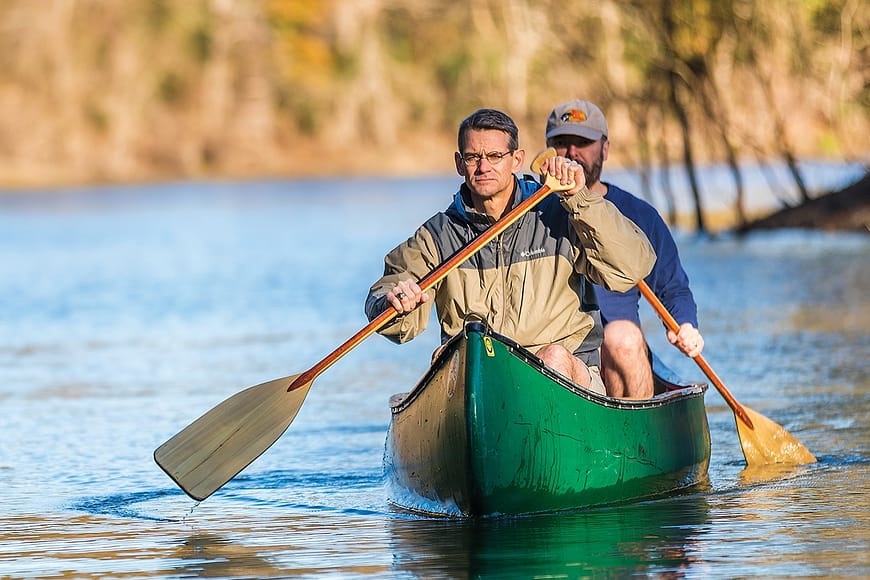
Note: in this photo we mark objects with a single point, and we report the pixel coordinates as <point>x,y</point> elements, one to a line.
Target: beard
<point>593,173</point>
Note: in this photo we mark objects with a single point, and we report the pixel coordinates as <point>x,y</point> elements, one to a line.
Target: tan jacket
<point>530,283</point>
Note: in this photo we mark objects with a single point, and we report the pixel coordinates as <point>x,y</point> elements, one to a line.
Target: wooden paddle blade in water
<point>763,441</point>
<point>212,450</point>
<point>768,442</point>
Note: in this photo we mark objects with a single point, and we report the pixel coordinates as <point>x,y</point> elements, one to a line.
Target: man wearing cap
<point>578,131</point>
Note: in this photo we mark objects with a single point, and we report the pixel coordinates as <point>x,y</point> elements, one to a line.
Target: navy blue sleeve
<point>668,279</point>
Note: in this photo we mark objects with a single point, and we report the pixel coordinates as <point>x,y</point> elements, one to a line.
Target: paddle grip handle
<point>672,325</point>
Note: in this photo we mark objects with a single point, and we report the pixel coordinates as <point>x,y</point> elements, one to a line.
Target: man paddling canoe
<point>534,282</point>
<point>578,130</point>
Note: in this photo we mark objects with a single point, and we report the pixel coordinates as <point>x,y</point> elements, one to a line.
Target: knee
<point>561,360</point>
<point>554,355</point>
<point>623,336</point>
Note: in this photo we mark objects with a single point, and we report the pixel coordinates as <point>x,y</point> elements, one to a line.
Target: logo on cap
<point>573,116</point>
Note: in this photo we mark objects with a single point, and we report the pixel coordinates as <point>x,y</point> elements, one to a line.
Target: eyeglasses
<point>493,158</point>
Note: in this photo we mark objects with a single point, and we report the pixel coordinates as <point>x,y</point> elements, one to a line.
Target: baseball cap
<point>580,118</point>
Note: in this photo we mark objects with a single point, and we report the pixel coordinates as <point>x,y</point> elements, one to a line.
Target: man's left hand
<point>566,171</point>
<point>688,340</point>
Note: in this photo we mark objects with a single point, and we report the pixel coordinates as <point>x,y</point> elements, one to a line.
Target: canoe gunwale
<point>673,391</point>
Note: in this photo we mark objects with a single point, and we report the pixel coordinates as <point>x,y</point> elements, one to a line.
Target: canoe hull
<point>490,431</point>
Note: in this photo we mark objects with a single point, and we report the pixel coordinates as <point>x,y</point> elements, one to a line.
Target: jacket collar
<point>464,210</point>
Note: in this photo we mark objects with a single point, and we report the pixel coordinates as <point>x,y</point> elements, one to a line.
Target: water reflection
<point>657,537</point>
<point>810,521</point>
<point>777,472</point>
<point>208,555</point>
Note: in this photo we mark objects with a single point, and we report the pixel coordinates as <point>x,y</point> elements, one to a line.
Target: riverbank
<point>847,209</point>
<point>841,193</point>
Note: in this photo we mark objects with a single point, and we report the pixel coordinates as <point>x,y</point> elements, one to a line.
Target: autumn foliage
<point>99,90</point>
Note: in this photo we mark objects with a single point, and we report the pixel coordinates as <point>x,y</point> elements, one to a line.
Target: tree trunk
<point>688,156</point>
<point>717,115</point>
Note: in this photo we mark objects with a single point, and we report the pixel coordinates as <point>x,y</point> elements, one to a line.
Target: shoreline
<point>845,208</point>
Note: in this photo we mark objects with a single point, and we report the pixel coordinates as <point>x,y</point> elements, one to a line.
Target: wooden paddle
<point>209,452</point>
<point>763,441</point>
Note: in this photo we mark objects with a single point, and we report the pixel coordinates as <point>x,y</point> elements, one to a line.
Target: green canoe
<point>489,430</point>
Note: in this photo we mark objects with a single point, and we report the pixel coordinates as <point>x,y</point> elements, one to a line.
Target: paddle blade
<point>767,442</point>
<point>212,450</point>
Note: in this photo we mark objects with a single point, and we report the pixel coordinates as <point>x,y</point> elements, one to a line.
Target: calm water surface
<point>127,313</point>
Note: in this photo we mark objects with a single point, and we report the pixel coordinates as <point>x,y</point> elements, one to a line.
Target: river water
<point>127,312</point>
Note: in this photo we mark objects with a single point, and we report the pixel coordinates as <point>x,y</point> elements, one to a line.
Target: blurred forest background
<point>97,91</point>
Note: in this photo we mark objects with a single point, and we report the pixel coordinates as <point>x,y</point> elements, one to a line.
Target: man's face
<point>588,153</point>
<point>485,174</point>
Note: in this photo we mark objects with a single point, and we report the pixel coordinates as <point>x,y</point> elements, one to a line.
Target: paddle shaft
<point>427,282</point>
<point>672,325</point>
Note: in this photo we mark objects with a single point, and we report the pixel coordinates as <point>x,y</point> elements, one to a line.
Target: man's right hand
<point>405,296</point>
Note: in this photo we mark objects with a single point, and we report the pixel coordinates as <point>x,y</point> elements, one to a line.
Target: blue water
<point>127,312</point>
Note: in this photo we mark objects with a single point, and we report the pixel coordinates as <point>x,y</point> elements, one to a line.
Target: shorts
<point>597,383</point>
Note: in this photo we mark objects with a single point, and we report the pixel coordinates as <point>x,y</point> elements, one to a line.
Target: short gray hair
<point>490,119</point>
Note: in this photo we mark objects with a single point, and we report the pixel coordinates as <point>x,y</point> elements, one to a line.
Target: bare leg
<point>561,360</point>
<point>624,361</point>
